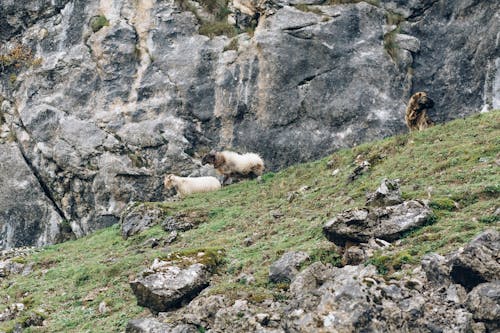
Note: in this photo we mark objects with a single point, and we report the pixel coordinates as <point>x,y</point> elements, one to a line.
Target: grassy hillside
<point>456,164</point>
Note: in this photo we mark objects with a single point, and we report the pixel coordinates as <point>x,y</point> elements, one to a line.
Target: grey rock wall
<point>101,112</point>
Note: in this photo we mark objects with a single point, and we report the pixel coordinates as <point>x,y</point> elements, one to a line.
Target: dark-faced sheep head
<point>209,158</point>
<point>424,101</point>
<point>168,182</point>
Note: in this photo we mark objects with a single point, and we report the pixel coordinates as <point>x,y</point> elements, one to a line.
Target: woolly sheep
<point>189,185</point>
<point>231,164</point>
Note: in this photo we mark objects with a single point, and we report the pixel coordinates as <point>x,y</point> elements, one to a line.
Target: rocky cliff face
<point>100,99</point>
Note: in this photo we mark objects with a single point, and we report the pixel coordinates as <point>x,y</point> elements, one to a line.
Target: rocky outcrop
<point>484,303</point>
<point>477,262</point>
<point>15,18</point>
<point>286,267</point>
<point>14,261</point>
<point>23,204</point>
<point>137,218</point>
<point>388,220</point>
<point>104,98</point>
<point>322,298</point>
<point>154,326</point>
<point>387,223</point>
<point>175,280</point>
<point>183,221</point>
<point>355,298</point>
<point>166,286</point>
<point>12,311</point>
<point>387,194</point>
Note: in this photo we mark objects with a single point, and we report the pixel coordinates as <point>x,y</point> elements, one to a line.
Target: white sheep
<point>189,185</point>
<point>231,164</point>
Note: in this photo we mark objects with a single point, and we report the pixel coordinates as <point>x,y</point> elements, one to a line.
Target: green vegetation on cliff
<point>455,166</point>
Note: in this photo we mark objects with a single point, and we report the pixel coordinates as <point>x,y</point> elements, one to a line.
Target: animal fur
<point>231,164</point>
<point>189,185</point>
<point>416,112</point>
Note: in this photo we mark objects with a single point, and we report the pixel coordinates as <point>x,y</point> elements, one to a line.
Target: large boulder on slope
<point>478,261</point>
<point>286,267</point>
<point>166,286</point>
<point>387,223</point>
<point>484,303</point>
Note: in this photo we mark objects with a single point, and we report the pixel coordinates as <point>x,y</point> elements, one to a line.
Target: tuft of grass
<point>210,257</point>
<point>443,204</point>
<point>390,44</point>
<point>69,280</point>
<point>326,256</point>
<point>389,263</point>
<point>489,219</point>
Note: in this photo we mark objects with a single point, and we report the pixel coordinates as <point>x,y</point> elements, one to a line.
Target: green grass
<point>98,22</point>
<point>454,163</point>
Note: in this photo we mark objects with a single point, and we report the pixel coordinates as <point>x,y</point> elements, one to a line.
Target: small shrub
<point>490,191</point>
<point>489,219</point>
<point>326,256</point>
<point>402,258</point>
<point>98,22</point>
<point>19,260</point>
<point>431,219</point>
<point>466,198</point>
<point>212,29</point>
<point>216,27</point>
<point>268,176</point>
<point>443,204</point>
<point>210,257</point>
<point>216,7</point>
<point>81,279</point>
<point>389,263</point>
<point>381,262</point>
<point>18,57</point>
<point>65,227</point>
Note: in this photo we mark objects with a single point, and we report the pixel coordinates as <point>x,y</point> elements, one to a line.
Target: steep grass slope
<point>455,165</point>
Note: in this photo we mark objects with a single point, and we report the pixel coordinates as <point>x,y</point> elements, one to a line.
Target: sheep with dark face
<point>189,185</point>
<point>416,112</point>
<point>231,164</point>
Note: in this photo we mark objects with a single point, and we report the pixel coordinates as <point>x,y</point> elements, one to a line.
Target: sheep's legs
<point>226,180</point>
